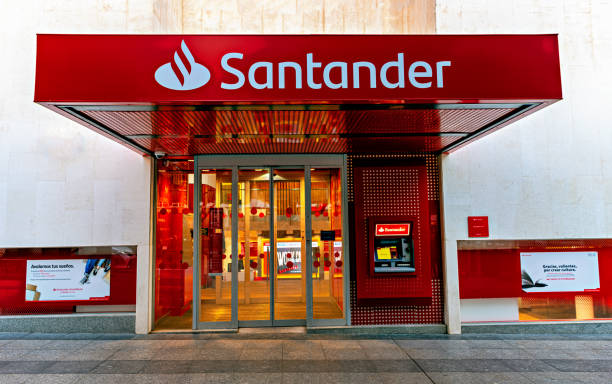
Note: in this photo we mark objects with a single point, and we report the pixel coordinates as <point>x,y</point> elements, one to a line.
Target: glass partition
<point>327,245</point>
<point>289,223</point>
<point>215,245</point>
<point>174,245</point>
<point>254,240</point>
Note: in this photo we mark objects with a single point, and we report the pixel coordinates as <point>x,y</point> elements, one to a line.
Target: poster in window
<point>559,271</point>
<point>68,279</point>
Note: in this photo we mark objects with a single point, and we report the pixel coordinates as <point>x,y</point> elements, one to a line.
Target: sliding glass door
<point>271,249</point>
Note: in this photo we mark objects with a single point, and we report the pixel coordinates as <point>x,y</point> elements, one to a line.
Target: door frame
<point>234,162</point>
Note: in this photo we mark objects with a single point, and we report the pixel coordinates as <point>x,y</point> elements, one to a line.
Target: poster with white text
<point>69,279</point>
<point>559,271</point>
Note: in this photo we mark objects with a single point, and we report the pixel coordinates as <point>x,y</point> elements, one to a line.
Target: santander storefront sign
<point>183,72</point>
<point>296,69</point>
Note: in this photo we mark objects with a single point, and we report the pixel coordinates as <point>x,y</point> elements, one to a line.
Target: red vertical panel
<point>393,191</point>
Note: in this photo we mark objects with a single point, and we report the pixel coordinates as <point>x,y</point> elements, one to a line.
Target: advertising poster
<point>559,271</point>
<point>69,279</point>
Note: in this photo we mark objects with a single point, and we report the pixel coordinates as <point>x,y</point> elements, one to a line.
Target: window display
<point>539,280</point>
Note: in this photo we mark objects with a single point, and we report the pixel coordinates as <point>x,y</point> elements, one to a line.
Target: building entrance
<point>271,249</point>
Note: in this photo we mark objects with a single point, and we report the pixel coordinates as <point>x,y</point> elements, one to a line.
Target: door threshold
<point>212,330</point>
<point>260,330</point>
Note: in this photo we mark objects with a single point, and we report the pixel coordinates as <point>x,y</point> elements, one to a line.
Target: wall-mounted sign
<point>559,271</point>
<point>478,226</point>
<point>402,229</point>
<point>68,279</point>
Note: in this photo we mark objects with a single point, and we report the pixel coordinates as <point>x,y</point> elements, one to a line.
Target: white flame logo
<point>182,74</point>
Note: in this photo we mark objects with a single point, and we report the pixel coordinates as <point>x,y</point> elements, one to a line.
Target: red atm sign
<point>393,229</point>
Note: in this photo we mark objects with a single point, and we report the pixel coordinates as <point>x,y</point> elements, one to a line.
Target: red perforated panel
<point>392,192</point>
<point>180,130</point>
<point>399,314</point>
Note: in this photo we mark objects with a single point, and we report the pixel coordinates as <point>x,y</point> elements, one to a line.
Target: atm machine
<point>391,248</point>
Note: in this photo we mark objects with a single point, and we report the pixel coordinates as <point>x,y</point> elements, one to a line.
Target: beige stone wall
<point>308,16</point>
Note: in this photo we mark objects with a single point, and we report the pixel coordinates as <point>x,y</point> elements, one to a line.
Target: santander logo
<point>392,229</point>
<point>183,73</point>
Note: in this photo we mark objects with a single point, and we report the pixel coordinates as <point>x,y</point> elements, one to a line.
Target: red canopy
<point>186,94</point>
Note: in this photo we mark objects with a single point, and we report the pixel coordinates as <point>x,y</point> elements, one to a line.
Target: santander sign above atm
<point>183,73</point>
<point>281,69</point>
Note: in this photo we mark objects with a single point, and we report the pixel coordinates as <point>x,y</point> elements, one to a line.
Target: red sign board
<point>478,226</point>
<point>393,229</point>
<point>187,69</point>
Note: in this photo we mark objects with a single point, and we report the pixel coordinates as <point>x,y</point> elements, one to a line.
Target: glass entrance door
<point>290,244</point>
<point>271,249</point>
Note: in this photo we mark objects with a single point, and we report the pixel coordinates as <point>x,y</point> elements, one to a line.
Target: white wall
<point>60,183</point>
<point>550,174</point>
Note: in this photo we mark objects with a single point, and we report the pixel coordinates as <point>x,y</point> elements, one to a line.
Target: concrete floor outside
<point>292,356</point>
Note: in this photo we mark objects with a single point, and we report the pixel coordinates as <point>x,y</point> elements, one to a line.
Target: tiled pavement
<point>304,358</point>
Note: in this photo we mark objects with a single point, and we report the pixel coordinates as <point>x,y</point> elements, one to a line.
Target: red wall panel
<point>392,192</point>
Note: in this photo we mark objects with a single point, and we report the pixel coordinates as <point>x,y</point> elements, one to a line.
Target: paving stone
<point>273,353</point>
<point>16,378</point>
<point>258,378</point>
<point>133,379</point>
<point>592,377</point>
<point>71,367</point>
<point>25,366</point>
<point>304,378</point>
<point>543,353</point>
<point>589,354</point>
<point>383,366</point>
<point>436,353</point>
<point>68,344</point>
<point>552,378</point>
<point>214,366</point>
<point>302,350</point>
<point>45,355</point>
<point>120,366</point>
<point>218,354</point>
<point>26,344</point>
<point>345,354</point>
<point>50,379</point>
<point>258,366</point>
<point>463,365</point>
<point>350,366</point>
<point>102,354</point>
<point>217,378</point>
<point>169,367</point>
<point>307,366</point>
<point>581,365</point>
<point>402,378</point>
<point>13,354</point>
<point>137,354</point>
<point>478,378</point>
<point>433,344</point>
<point>524,365</point>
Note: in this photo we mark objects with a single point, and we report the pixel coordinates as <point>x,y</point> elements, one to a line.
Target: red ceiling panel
<point>189,131</point>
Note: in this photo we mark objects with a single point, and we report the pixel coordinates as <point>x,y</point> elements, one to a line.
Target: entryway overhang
<point>227,94</point>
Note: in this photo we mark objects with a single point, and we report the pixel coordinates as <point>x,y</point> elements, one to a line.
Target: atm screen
<point>393,249</point>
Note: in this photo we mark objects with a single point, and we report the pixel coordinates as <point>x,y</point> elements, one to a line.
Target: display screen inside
<point>393,254</point>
